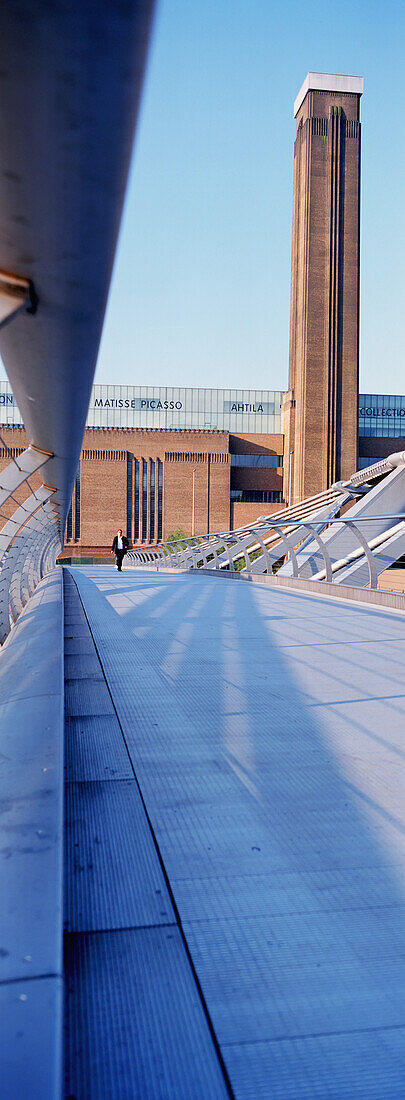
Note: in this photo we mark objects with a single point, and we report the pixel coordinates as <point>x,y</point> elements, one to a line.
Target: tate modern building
<point>158,459</point>
<point>154,457</point>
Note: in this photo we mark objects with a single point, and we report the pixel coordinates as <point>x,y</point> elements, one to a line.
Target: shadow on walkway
<point>274,785</point>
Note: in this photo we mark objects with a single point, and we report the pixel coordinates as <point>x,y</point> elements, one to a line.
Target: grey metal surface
<point>87,696</point>
<point>122,1036</point>
<point>136,1031</point>
<point>378,598</point>
<point>31,796</point>
<point>113,878</point>
<point>266,729</point>
<point>321,1067</point>
<point>78,646</point>
<point>81,666</point>
<point>94,749</point>
<point>320,975</point>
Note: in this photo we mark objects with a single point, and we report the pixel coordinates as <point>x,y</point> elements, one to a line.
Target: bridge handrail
<point>244,543</point>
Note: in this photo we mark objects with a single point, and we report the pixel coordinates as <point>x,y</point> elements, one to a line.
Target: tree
<point>176,536</point>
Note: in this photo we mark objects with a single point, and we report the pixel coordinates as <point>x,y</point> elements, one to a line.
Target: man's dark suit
<point>119,554</point>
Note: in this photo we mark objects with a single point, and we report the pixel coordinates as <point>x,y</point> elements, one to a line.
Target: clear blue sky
<point>201,286</point>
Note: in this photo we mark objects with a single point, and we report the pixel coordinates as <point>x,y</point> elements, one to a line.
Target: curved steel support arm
<point>195,553</point>
<point>373,575</point>
<point>19,470</point>
<point>264,551</point>
<point>198,551</point>
<point>166,557</point>
<point>317,538</point>
<point>289,548</point>
<point>20,517</point>
<point>229,555</point>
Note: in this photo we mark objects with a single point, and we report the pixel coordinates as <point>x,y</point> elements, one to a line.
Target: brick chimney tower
<point>320,409</point>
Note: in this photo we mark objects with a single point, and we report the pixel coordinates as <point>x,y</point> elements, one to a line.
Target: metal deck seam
<point>315,1035</point>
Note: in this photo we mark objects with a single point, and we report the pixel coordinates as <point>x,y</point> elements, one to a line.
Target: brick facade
<point>118,464</point>
<point>103,493</point>
<point>211,491</point>
<point>243,512</point>
<point>320,409</point>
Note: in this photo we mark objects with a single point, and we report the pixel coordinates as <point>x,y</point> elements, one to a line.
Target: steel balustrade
<point>17,596</point>
<point>22,538</point>
<point>14,475</point>
<point>27,556</point>
<point>29,568</point>
<point>381,541</point>
<point>234,546</point>
<point>304,533</point>
<point>13,478</point>
<point>33,571</point>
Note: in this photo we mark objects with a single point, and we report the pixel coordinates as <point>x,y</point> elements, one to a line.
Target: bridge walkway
<point>135,1022</point>
<point>235,840</point>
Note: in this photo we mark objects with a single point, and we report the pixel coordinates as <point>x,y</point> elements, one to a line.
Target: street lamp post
<point>289,492</point>
<point>289,486</point>
<point>193,518</point>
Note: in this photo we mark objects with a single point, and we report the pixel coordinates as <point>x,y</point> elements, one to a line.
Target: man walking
<point>119,548</point>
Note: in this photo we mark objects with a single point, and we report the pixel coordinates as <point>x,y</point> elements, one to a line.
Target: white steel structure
<point>308,541</point>
<point>62,186</point>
